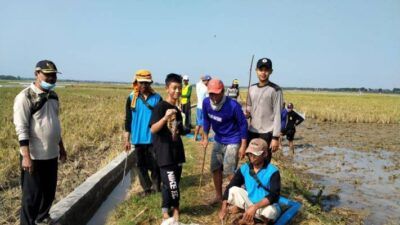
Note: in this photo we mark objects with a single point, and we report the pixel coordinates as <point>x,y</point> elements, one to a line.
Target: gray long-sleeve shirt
<point>42,129</point>
<point>265,104</point>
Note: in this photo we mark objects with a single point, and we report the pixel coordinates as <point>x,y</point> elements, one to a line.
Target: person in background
<point>293,120</point>
<point>233,91</point>
<point>38,127</point>
<point>185,101</point>
<point>202,93</point>
<point>138,110</point>
<point>284,113</point>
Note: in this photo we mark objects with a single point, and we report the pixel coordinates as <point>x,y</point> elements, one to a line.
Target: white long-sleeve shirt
<point>42,129</point>
<point>202,93</point>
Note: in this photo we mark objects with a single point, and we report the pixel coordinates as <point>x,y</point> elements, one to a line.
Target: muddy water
<point>366,181</point>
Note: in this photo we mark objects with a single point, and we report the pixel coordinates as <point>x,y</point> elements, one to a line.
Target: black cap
<point>264,62</point>
<point>46,66</point>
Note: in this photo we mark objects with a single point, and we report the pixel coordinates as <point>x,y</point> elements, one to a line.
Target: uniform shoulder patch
<point>274,86</point>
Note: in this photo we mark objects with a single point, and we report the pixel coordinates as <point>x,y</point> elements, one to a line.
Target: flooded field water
<point>366,181</point>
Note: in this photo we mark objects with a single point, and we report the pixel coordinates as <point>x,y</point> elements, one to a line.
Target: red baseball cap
<point>215,86</point>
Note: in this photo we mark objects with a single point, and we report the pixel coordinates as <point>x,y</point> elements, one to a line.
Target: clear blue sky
<point>311,43</point>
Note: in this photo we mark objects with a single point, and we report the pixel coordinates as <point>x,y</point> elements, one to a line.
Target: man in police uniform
<point>38,128</point>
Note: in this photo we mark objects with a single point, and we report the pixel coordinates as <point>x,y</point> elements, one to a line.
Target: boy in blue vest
<point>139,107</point>
<point>262,184</point>
<point>227,120</point>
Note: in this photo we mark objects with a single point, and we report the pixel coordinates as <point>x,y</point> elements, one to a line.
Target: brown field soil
<point>356,165</point>
<point>359,136</point>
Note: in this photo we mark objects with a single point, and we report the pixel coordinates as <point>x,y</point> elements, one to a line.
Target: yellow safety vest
<point>186,92</point>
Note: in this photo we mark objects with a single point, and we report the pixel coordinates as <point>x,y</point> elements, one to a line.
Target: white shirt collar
<point>36,89</point>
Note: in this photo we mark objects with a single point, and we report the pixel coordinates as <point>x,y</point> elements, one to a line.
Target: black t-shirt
<point>293,119</point>
<point>168,151</point>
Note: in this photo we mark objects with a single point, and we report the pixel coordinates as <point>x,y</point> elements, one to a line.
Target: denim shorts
<point>199,117</point>
<point>224,157</point>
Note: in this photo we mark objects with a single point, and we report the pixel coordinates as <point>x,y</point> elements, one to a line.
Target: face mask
<point>219,105</point>
<point>47,86</point>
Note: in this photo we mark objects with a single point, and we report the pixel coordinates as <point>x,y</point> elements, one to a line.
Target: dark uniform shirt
<point>293,119</point>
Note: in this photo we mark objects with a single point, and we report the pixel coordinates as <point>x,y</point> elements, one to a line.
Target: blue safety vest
<point>255,192</point>
<point>140,130</point>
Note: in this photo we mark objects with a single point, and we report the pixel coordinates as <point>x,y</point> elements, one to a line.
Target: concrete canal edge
<point>81,204</point>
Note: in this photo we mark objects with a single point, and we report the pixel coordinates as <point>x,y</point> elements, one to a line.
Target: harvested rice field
<point>347,131</point>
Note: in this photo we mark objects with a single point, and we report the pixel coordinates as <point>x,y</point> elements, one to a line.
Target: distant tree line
<point>10,77</point>
<point>362,89</point>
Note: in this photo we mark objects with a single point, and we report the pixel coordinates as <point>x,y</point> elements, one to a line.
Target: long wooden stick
<point>140,213</point>
<point>202,167</point>
<point>248,87</point>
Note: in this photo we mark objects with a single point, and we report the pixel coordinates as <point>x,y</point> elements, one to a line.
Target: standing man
<point>284,113</point>
<point>293,119</point>
<point>226,118</point>
<point>36,110</point>
<point>202,93</point>
<point>264,104</point>
<point>139,107</point>
<point>185,101</point>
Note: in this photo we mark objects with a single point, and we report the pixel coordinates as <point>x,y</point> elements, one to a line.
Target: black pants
<point>266,136</point>
<point>38,190</point>
<point>186,111</point>
<point>171,177</point>
<point>289,133</point>
<point>145,161</point>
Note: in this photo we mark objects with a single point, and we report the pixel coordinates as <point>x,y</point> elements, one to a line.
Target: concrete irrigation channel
<point>90,202</point>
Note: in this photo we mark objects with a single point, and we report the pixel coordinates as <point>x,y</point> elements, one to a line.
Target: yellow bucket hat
<point>143,76</point>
